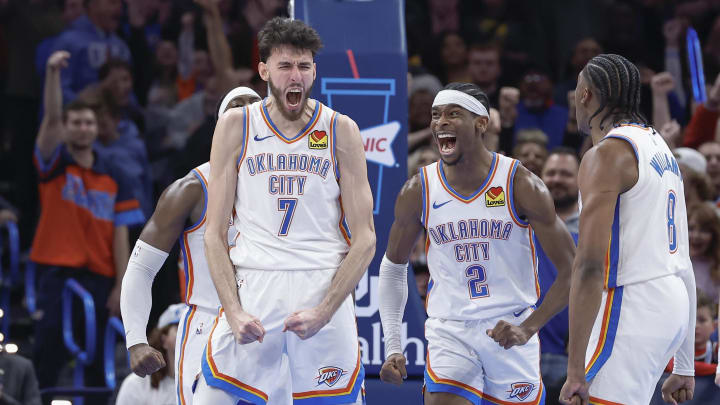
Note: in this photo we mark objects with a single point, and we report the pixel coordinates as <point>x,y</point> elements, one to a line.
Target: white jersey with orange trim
<point>480,253</point>
<point>649,237</point>
<point>199,287</point>
<point>288,212</point>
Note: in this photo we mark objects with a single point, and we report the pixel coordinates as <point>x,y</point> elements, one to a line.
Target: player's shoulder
<point>612,153</point>
<point>192,186</point>
<point>411,196</point>
<point>527,181</point>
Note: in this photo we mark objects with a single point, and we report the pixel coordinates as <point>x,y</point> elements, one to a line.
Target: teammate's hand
<point>306,323</point>
<point>113,301</point>
<point>509,335</point>
<point>245,327</point>
<point>575,391</point>
<point>678,388</point>
<point>717,379</point>
<point>393,370</point>
<point>58,60</point>
<point>144,360</point>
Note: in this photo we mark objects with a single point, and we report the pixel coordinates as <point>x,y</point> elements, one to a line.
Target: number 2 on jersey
<point>288,205</point>
<point>476,284</point>
<point>672,229</point>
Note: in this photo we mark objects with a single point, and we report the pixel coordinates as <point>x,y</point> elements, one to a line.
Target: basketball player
<point>632,300</point>
<point>480,210</point>
<point>185,199</point>
<point>283,165</point>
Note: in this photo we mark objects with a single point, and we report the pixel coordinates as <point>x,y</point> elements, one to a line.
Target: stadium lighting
<point>2,337</point>
<point>11,348</point>
<point>2,313</point>
<point>60,402</point>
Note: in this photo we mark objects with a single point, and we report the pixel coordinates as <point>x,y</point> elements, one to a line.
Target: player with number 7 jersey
<point>480,212</point>
<point>288,320</point>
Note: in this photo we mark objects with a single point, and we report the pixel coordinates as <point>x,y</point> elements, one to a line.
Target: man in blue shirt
<point>560,176</point>
<point>91,40</point>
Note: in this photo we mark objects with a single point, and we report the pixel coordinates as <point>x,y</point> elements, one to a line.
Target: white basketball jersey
<point>480,253</point>
<point>288,212</point>
<point>649,236</point>
<point>199,287</point>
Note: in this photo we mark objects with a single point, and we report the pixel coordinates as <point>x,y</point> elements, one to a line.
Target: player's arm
<point>121,254</point>
<point>51,127</point>
<point>357,204</point>
<point>157,238</point>
<point>533,200</point>
<point>224,155</point>
<point>606,171</point>
<point>393,276</point>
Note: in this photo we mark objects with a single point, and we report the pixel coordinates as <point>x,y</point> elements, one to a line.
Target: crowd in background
<point>153,71</point>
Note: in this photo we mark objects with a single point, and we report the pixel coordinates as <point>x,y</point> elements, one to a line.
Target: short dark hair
<point>470,89</point>
<point>618,82</point>
<point>284,31</point>
<point>112,64</point>
<point>564,150</point>
<point>79,104</point>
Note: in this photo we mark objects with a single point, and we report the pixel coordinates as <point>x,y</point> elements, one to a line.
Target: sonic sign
<point>363,73</point>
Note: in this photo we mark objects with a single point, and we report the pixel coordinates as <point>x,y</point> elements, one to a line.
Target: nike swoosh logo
<point>519,312</point>
<point>263,138</point>
<point>436,205</point>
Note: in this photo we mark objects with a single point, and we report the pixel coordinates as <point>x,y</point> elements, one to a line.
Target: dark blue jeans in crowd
<point>50,353</point>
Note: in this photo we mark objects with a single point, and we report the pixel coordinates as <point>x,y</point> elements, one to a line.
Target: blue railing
<point>112,331</point>
<point>30,299</point>
<point>7,279</point>
<point>86,356</point>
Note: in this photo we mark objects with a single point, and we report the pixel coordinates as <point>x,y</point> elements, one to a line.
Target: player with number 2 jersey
<point>480,211</point>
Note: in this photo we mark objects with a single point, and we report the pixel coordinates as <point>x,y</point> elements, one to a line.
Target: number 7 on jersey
<point>288,206</point>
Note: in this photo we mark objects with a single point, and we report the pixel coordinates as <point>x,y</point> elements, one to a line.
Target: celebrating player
<point>184,199</point>
<point>633,257</point>
<point>479,210</point>
<point>288,317</point>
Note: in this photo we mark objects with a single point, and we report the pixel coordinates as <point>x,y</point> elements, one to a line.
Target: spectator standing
<point>531,150</point>
<point>18,385</point>
<point>704,237</point>
<point>711,152</point>
<point>86,206</point>
<point>537,110</point>
<point>485,69</point>
<point>92,40</point>
<point>560,176</point>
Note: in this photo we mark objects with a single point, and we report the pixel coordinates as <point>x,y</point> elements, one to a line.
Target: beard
<point>566,201</point>
<point>279,98</point>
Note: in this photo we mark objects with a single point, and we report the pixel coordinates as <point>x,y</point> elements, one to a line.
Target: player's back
<point>288,212</point>
<point>480,253</point>
<point>649,236</point>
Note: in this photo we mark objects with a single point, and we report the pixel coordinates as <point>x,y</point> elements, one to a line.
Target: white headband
<point>234,93</point>
<point>464,100</point>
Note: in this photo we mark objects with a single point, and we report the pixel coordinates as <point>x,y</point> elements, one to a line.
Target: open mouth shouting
<point>446,143</point>
<point>293,98</point>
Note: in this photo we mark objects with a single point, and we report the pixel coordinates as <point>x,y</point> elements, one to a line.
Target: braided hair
<point>618,82</point>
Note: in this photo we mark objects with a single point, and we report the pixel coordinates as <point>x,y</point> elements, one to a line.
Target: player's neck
<point>597,133</point>
<point>470,171</point>
<point>286,125</point>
